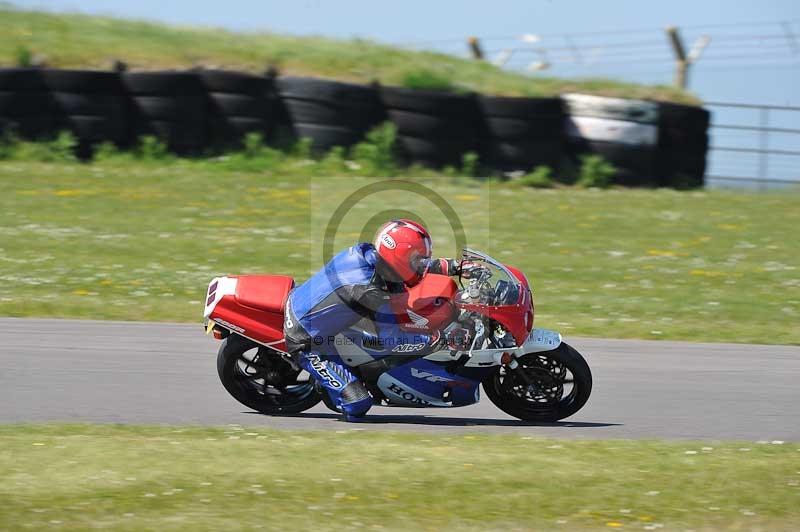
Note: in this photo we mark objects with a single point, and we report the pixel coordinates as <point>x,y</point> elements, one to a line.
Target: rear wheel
<point>259,378</point>
<point>545,387</point>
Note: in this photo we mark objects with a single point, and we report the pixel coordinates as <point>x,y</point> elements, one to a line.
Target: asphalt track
<point>115,372</point>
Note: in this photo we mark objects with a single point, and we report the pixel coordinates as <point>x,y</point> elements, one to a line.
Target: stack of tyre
<point>682,145</point>
<point>237,104</point>
<point>434,128</point>
<point>521,133</point>
<point>329,113</point>
<point>38,103</point>
<point>89,104</point>
<point>168,105</point>
<point>25,104</point>
<point>624,132</point>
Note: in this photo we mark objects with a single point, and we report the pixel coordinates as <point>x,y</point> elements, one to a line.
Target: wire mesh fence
<point>754,146</point>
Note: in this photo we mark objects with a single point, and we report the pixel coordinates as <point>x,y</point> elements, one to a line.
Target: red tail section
<point>251,305</point>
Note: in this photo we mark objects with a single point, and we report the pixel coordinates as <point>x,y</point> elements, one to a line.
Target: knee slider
<point>354,393</point>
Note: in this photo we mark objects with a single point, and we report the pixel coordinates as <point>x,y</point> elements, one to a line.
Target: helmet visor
<point>420,264</point>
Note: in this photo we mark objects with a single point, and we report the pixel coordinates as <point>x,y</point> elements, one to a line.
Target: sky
<point>753,56</point>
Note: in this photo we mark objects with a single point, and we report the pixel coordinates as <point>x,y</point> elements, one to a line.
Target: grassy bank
<point>139,240</point>
<point>170,478</point>
<point>79,41</point>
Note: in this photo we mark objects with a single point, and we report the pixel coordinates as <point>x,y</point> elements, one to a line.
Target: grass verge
<point>139,240</point>
<point>80,41</point>
<point>170,478</point>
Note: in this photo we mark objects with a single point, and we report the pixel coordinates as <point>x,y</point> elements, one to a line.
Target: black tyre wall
<point>523,155</point>
<point>26,107</point>
<point>329,113</point>
<point>192,111</point>
<point>169,105</point>
<point>434,128</point>
<point>22,80</point>
<point>635,164</point>
<point>682,145</point>
<point>624,132</point>
<point>236,104</point>
<point>89,104</point>
<point>30,127</point>
<point>521,133</point>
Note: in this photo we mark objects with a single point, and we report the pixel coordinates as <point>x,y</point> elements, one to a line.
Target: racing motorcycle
<point>487,338</point>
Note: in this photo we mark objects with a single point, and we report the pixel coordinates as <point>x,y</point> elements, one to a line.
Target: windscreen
<point>486,281</point>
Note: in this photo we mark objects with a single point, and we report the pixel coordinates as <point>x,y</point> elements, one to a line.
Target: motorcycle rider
<point>357,283</point>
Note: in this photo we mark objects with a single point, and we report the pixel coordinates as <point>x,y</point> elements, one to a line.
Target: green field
<point>79,41</point>
<point>138,240</point>
<point>236,478</point>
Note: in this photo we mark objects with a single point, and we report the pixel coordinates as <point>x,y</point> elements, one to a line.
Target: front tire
<point>555,385</point>
<point>259,378</point>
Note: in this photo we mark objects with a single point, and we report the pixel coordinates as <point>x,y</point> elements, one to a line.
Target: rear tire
<point>549,402</point>
<point>244,367</point>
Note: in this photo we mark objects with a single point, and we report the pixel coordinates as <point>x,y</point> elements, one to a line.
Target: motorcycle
<point>487,338</point>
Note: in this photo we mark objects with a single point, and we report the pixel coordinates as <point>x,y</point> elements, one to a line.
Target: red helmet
<point>404,251</point>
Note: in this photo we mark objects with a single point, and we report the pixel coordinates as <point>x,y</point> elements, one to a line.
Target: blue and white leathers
<point>331,301</point>
<point>347,393</point>
<point>328,362</point>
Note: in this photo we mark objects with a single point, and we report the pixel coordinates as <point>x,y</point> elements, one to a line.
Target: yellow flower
<point>660,253</point>
<point>707,273</point>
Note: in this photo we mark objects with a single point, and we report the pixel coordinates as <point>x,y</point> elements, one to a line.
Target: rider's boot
<point>345,393</point>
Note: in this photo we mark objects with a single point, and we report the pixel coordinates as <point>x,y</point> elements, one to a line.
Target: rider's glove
<point>468,269</point>
<point>464,268</point>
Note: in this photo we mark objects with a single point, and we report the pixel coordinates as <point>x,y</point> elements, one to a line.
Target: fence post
<point>763,160</point>
<point>475,48</point>
<point>681,61</point>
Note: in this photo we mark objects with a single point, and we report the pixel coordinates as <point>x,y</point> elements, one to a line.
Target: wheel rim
<point>550,384</point>
<point>264,376</point>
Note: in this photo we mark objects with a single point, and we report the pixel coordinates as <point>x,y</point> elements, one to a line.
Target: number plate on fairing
<point>540,340</point>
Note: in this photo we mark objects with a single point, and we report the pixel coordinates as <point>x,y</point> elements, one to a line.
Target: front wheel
<point>259,378</point>
<point>546,387</point>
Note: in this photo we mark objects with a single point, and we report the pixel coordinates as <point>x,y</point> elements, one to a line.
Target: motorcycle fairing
<point>422,383</point>
<point>356,346</point>
<point>427,306</point>
<point>463,379</point>
<point>225,306</point>
<point>419,382</point>
<point>539,340</point>
<point>401,394</point>
<point>350,349</point>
